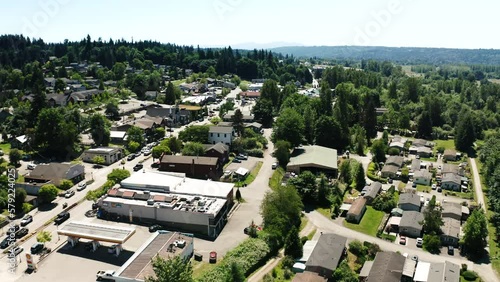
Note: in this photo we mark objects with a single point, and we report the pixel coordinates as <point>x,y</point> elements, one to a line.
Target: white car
<point>81,186</point>
<point>69,194</point>
<point>420,242</point>
<point>31,166</point>
<point>434,186</point>
<point>275,165</point>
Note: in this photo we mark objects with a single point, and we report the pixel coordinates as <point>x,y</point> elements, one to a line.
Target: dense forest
<point>402,55</point>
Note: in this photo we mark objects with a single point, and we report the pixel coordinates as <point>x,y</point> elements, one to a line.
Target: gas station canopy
<point>97,232</point>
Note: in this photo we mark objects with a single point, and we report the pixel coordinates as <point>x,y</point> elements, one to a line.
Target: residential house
<point>117,137</point>
<point>357,210</point>
<point>327,254</point>
<point>220,134</point>
<point>390,171</point>
<point>145,123</point>
<point>188,87</point>
<point>52,173</point>
<point>250,95</point>
<point>451,181</point>
<point>452,210</point>
<point>371,191</point>
<point>19,142</point>
<point>411,224</point>
<point>395,160</point>
<point>50,82</point>
<point>386,267</point>
<point>109,154</point>
<point>450,155</point>
<point>57,100</point>
<point>437,272</point>
<point>415,165</point>
<point>423,177</point>
<point>398,145</point>
<point>422,143</point>
<point>247,116</point>
<point>5,113</point>
<point>77,87</point>
<point>217,150</point>
<point>397,212</point>
<point>453,168</point>
<point>83,96</point>
<point>424,152</point>
<point>409,202</point>
<point>451,231</point>
<point>315,159</point>
<point>308,276</point>
<point>192,166</point>
<point>255,126</point>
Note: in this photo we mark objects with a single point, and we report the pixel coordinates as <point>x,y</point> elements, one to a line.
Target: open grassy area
<point>251,177</point>
<point>178,82</point>
<point>278,274</point>
<point>446,144</point>
<point>369,223</point>
<point>325,212</point>
<point>303,222</point>
<point>200,267</point>
<point>5,147</point>
<point>311,234</point>
<point>275,180</point>
<point>423,188</point>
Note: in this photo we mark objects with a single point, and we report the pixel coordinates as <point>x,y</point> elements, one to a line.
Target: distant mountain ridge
<point>404,55</point>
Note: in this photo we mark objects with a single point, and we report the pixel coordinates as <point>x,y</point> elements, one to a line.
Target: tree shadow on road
<point>47,207</point>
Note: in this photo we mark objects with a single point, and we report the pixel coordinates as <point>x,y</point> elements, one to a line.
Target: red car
<point>213,257</point>
<point>402,240</point>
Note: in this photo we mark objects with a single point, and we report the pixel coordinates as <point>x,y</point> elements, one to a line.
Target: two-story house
<point>220,134</point>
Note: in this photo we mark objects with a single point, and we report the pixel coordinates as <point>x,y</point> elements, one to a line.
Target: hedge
<point>249,255</point>
<point>255,153</point>
<point>371,174</point>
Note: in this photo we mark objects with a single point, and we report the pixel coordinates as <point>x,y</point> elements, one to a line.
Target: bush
<point>469,275</point>
<point>393,152</point>
<point>371,174</point>
<point>287,262</point>
<point>255,153</point>
<point>357,248</point>
<point>287,274</point>
<point>303,240</point>
<point>27,207</point>
<point>65,184</point>
<point>96,194</point>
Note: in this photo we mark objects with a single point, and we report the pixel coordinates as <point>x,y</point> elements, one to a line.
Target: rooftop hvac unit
<point>151,202</point>
<point>146,192</point>
<point>180,243</point>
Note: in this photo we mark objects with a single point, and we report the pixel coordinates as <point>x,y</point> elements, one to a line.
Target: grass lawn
<point>446,144</point>
<point>303,222</point>
<point>5,147</point>
<point>178,82</point>
<point>325,212</point>
<point>423,188</point>
<point>251,177</point>
<point>278,274</point>
<point>200,267</point>
<point>369,223</point>
<point>311,234</point>
<point>275,180</point>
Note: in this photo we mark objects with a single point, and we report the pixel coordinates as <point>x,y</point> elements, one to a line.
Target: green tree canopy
<point>282,152</point>
<point>432,218</point>
<point>136,134</point>
<point>99,129</point>
<point>48,193</point>
<point>117,175</point>
<point>44,237</point>
<point>195,133</point>
<point>378,150</point>
<point>289,127</point>
<point>293,245</point>
<point>173,269</point>
<point>15,157</point>
<point>170,94</point>
<point>158,151</point>
<point>193,149</point>
<point>474,240</point>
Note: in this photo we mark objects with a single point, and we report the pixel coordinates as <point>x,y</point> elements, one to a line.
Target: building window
<point>211,135</point>
<point>225,135</point>
<point>218,134</point>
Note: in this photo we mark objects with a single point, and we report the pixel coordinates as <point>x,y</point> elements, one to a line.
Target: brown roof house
<point>52,173</point>
<point>327,254</point>
<point>450,155</point>
<point>192,166</point>
<point>357,210</point>
<point>219,151</point>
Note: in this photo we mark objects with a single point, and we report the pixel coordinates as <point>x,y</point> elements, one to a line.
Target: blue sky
<point>417,23</point>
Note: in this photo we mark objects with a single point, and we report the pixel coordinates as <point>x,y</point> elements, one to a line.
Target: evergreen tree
<point>328,133</point>
<point>465,133</point>
<point>293,245</point>
<point>325,96</point>
<point>173,269</point>
<point>170,94</point>
<point>424,125</point>
<point>474,233</point>
<point>432,218</point>
<point>360,177</point>
<point>309,124</point>
<point>238,124</point>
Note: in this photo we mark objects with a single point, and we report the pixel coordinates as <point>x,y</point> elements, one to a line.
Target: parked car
<point>147,152</point>
<point>242,157</point>
<point>402,240</point>
<point>105,275</point>
<point>138,167</point>
<point>155,227</point>
<point>69,194</point>
<point>81,186</point>
<point>451,250</point>
<point>13,229</point>
<point>213,257</point>
<point>414,185</point>
<point>22,232</point>
<point>62,217</point>
<point>439,189</point>
<point>26,220</point>
<point>420,242</point>
<point>434,186</point>
<point>37,247</point>
<point>274,166</point>
<point>7,241</point>
<point>236,160</point>
<point>131,157</point>
<point>31,166</point>
<point>15,252</point>
<point>155,165</point>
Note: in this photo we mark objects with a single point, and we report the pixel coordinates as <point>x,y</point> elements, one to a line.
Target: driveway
<point>232,234</point>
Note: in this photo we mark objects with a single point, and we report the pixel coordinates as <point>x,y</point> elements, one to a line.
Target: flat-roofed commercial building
<point>178,203</point>
<point>109,154</point>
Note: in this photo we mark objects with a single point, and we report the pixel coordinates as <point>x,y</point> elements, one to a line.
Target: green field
<point>369,223</point>
<point>5,147</point>
<point>446,144</point>
<point>275,180</point>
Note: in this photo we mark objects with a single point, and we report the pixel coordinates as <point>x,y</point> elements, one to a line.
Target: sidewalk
<point>272,263</point>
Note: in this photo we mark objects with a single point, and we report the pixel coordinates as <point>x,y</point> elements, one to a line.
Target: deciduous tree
<point>47,193</point>
<point>474,240</point>
<point>173,269</point>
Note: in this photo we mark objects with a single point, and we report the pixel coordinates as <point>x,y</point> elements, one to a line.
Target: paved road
<point>326,225</point>
<point>232,234</point>
<point>477,183</point>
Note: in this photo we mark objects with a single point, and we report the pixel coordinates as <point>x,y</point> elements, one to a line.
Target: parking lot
<point>248,164</point>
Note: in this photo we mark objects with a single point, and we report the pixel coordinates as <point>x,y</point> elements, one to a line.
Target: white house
<point>110,154</point>
<point>220,134</point>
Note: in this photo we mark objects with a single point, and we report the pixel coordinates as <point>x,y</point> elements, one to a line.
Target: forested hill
<point>403,55</point>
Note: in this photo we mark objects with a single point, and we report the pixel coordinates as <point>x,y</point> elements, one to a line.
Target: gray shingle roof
<point>328,251</point>
<point>318,155</point>
<point>221,129</point>
<point>411,219</point>
<point>387,267</point>
<point>409,198</point>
